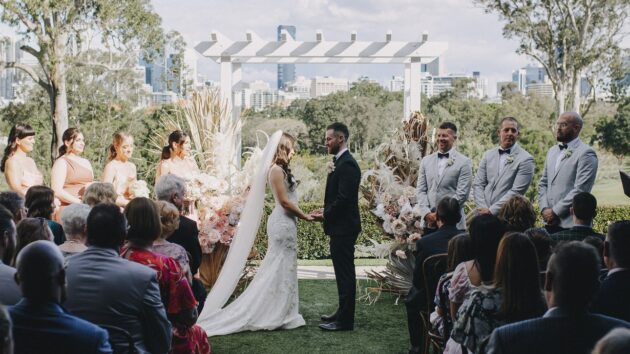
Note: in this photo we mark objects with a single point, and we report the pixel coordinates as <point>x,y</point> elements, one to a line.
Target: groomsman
<point>445,173</point>
<point>570,168</point>
<point>503,172</point>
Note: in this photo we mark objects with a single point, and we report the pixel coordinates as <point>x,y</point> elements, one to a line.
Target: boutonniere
<point>450,161</point>
<point>330,167</point>
<point>567,154</point>
<point>509,159</point>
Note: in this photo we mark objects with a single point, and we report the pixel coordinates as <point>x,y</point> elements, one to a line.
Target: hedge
<point>313,243</point>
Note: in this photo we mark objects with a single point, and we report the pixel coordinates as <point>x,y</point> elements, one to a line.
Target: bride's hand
<point>308,217</point>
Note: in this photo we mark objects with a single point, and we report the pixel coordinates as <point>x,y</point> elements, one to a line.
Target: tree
<point>614,134</point>
<point>569,38</point>
<point>56,32</point>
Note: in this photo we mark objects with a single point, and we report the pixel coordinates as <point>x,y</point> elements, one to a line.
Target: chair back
<point>432,269</point>
<point>118,335</point>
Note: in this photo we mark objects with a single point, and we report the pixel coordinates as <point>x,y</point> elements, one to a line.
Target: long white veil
<point>244,238</point>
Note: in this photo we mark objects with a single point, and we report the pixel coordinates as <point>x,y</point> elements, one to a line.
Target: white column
<point>237,76</point>
<point>414,89</point>
<point>226,84</point>
<point>407,92</point>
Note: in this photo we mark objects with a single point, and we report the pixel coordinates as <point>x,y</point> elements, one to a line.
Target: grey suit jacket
<point>575,173</point>
<point>454,182</point>
<point>10,292</point>
<point>492,189</point>
<point>104,288</point>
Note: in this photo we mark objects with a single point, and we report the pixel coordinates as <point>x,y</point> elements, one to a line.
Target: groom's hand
<point>318,215</point>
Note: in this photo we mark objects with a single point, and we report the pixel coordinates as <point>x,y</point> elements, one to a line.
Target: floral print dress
<point>176,296</point>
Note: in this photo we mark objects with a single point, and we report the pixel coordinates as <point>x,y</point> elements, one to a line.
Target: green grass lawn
<point>359,262</point>
<point>610,192</point>
<point>379,328</point>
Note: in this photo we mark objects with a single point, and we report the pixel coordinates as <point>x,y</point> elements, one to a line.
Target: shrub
<point>313,243</point>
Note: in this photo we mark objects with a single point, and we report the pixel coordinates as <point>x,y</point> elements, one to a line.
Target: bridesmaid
<point>19,169</point>
<point>176,157</point>
<point>71,173</point>
<point>119,171</point>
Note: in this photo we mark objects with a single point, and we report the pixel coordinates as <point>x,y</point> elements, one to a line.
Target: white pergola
<point>231,55</point>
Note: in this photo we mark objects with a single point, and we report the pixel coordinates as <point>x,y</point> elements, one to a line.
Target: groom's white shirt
<point>340,153</point>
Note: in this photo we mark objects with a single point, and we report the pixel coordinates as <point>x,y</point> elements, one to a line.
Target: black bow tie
<point>442,155</point>
<point>506,151</point>
<point>563,146</point>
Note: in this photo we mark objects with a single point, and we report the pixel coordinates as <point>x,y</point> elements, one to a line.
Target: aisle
<point>327,272</point>
<point>379,328</point>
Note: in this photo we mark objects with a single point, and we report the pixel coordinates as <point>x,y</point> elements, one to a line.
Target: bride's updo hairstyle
<point>19,131</point>
<point>118,139</point>
<point>69,135</point>
<point>177,137</point>
<point>281,158</point>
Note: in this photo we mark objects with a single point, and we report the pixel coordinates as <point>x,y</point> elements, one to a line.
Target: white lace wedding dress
<point>271,299</point>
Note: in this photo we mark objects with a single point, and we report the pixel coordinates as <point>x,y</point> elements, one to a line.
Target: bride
<point>271,300</point>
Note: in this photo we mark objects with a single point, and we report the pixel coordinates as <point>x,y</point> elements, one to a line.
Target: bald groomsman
<point>570,168</point>
<point>445,173</point>
<point>503,172</point>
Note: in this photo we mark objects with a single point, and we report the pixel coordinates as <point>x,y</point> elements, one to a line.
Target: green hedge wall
<point>313,243</point>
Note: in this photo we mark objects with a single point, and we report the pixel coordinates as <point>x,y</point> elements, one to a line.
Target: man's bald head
<point>40,272</point>
<point>568,126</point>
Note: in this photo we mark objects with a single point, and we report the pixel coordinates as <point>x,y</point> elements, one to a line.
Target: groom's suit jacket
<point>341,202</point>
<point>492,189</point>
<point>575,173</point>
<point>455,182</point>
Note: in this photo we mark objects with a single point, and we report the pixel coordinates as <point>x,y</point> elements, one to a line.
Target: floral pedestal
<point>211,264</point>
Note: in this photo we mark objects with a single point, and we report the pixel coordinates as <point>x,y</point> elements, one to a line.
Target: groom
<point>342,223</point>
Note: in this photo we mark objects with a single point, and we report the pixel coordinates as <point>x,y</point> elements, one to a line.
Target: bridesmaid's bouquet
<point>218,221</point>
<point>137,189</point>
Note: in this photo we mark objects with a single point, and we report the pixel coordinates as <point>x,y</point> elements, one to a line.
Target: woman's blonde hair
<point>169,218</point>
<point>518,214</point>
<point>281,158</point>
<point>99,192</point>
<point>117,140</point>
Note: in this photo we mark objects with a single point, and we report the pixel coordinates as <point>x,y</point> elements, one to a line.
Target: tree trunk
<point>576,93</point>
<point>58,108</point>
<point>560,99</point>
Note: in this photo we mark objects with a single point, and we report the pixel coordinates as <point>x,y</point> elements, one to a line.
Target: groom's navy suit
<point>343,224</point>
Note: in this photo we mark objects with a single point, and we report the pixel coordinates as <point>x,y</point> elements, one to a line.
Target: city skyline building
<point>286,72</point>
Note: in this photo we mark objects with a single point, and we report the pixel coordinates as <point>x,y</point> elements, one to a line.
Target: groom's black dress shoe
<point>335,326</point>
<point>329,318</point>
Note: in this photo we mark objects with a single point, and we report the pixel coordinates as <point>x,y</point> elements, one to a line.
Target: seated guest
<point>171,188</point>
<point>583,211</point>
<point>598,243</point>
<point>169,220</point>
<point>10,293</point>
<point>6,332</point>
<point>181,307</point>
<point>74,221</point>
<point>514,296</point>
<point>106,289</point>
<point>567,327</point>
<point>616,341</point>
<point>459,250</point>
<point>517,214</point>
<point>15,204</point>
<point>485,232</point>
<point>99,192</point>
<point>31,230</point>
<point>448,214</point>
<point>541,240</point>
<point>612,297</point>
<point>40,203</point>
<point>40,324</point>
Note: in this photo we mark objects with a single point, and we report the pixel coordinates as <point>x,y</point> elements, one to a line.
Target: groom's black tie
<point>334,159</point>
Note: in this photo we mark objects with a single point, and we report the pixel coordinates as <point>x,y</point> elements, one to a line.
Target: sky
<point>475,39</point>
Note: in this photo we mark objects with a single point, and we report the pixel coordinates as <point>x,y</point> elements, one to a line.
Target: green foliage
<point>613,134</point>
<point>312,242</point>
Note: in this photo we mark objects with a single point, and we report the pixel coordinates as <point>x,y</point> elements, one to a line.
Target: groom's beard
<point>333,150</point>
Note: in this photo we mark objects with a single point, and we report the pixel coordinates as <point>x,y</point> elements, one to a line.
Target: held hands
<point>317,215</point>
<point>483,211</point>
